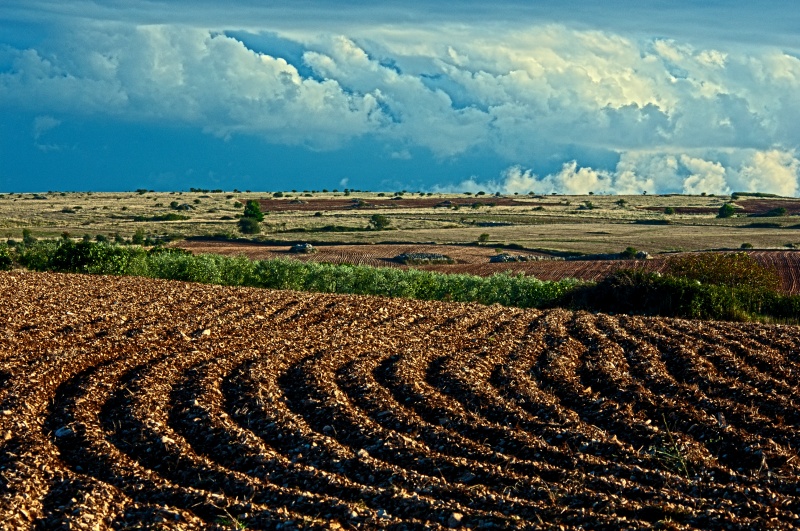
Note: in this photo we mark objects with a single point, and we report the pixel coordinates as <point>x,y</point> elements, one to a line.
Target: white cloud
<point>706,176</point>
<point>679,116</point>
<point>772,171</point>
<point>43,124</point>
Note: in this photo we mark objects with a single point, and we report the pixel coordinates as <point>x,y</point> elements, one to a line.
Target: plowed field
<point>312,205</point>
<point>475,260</point>
<point>154,404</point>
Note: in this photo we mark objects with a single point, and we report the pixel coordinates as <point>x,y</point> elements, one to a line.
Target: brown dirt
<point>139,403</point>
<point>475,260</point>
<point>746,206</point>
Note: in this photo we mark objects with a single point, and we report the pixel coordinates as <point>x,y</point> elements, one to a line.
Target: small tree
<point>253,210</point>
<point>726,211</point>
<point>249,225</point>
<point>138,237</point>
<point>483,238</point>
<point>27,237</point>
<point>379,222</point>
<point>669,211</point>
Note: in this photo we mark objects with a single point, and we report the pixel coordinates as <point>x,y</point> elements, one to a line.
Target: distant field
<point>589,224</point>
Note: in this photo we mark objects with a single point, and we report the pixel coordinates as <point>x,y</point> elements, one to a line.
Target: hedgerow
<point>174,264</point>
<point>731,287</point>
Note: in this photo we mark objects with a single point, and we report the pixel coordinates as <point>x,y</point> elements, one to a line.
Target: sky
<point>509,96</point>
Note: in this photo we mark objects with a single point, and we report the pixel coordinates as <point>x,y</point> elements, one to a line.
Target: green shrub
<point>36,256</point>
<point>669,211</point>
<point>724,269</point>
<point>138,237</point>
<point>6,262</point>
<point>726,211</point>
<point>27,237</point>
<point>483,238</point>
<point>775,213</point>
<point>248,225</point>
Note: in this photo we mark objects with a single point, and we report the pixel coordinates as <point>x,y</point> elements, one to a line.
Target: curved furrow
<point>759,409</point>
<point>109,439</point>
<point>208,422</point>
<point>248,497</point>
<point>87,447</point>
<point>736,380</point>
<point>463,423</point>
<point>694,433</point>
<point>411,460</point>
<point>140,403</point>
<point>718,394</point>
<point>646,409</point>
<point>253,391</point>
<point>763,349</point>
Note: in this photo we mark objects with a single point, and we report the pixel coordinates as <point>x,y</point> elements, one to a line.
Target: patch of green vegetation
<point>773,213</point>
<point>726,211</point>
<point>325,228</point>
<point>737,195</point>
<point>727,286</point>
<point>170,216</point>
<point>763,225</point>
<point>652,222</point>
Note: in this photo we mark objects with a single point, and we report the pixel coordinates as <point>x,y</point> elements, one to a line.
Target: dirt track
<point>133,402</point>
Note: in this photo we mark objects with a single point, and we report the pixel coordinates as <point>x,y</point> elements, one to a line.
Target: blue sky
<point>568,96</point>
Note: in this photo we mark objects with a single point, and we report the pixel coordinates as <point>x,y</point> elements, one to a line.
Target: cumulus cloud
<point>677,116</point>
<point>188,76</point>
<point>772,171</point>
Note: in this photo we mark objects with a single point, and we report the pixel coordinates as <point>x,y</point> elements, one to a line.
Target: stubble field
<point>129,402</point>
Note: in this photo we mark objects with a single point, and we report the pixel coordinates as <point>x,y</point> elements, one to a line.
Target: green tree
<point>379,222</point>
<point>483,238</point>
<point>249,225</point>
<point>726,211</point>
<point>253,210</point>
<point>669,211</point>
<point>138,237</point>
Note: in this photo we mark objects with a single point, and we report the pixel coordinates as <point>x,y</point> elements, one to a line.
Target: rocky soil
<point>139,403</point>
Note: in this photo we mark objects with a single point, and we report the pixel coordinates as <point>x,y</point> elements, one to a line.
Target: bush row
<point>635,291</point>
<point>175,264</point>
<point>701,291</point>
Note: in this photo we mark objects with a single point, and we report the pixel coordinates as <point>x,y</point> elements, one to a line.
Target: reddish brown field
<point>135,403</point>
<point>746,206</point>
<point>321,205</point>
<point>475,260</point>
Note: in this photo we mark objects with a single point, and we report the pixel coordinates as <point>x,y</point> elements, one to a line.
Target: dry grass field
<point>131,403</point>
<point>553,222</point>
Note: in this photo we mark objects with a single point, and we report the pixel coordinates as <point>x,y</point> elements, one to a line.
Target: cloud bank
<point>771,171</point>
<point>672,116</point>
